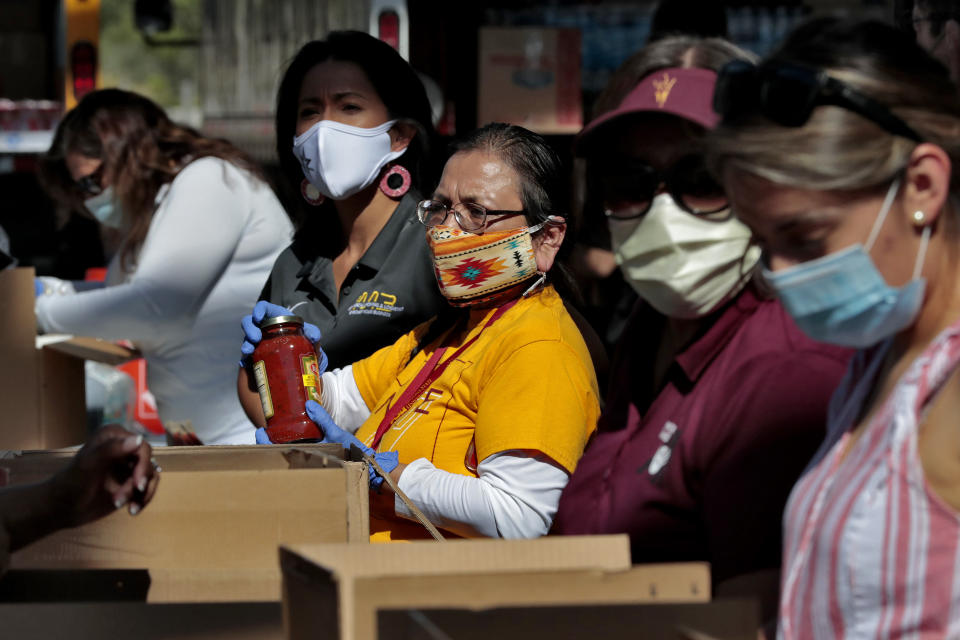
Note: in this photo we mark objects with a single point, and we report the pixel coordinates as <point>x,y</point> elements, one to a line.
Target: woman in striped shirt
<point>841,152</point>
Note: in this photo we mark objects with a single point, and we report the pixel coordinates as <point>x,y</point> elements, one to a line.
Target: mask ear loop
<point>884,210</point>
<point>543,274</point>
<point>922,252</point>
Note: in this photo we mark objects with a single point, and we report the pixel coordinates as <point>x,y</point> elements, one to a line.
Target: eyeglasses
<point>627,187</point>
<point>90,183</point>
<point>469,215</point>
<point>788,94</point>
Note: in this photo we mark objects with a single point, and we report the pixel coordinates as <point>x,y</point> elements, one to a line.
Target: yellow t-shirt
<point>527,383</point>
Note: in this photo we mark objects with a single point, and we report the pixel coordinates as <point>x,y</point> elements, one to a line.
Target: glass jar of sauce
<point>287,375</point>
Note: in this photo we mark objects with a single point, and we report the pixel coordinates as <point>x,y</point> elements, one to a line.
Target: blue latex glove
<point>37,287</point>
<point>252,334</point>
<point>262,437</point>
<point>388,460</point>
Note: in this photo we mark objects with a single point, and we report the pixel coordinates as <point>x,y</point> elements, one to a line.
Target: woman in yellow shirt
<point>481,414</point>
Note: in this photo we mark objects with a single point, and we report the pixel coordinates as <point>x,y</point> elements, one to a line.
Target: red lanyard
<point>427,375</point>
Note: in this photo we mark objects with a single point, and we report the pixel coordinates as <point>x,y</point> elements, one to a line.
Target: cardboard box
<point>720,620</point>
<point>212,530</point>
<point>139,621</point>
<point>336,590</point>
<point>530,76</point>
<point>43,403</point>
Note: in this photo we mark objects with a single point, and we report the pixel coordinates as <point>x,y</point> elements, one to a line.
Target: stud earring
<point>311,194</point>
<point>919,217</point>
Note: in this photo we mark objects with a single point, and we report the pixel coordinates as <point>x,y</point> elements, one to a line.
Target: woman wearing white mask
<point>859,227</point>
<point>199,229</point>
<point>353,132</point>
<point>481,414</point>
<point>717,400</point>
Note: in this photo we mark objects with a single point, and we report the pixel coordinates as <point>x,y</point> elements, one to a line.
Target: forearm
<point>29,512</point>
<point>515,496</point>
<point>133,311</point>
<point>341,398</point>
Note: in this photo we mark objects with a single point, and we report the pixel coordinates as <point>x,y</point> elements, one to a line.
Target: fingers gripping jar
<point>287,375</point>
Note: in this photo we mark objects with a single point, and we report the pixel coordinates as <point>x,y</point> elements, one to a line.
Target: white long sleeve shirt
<point>211,244</point>
<point>515,494</point>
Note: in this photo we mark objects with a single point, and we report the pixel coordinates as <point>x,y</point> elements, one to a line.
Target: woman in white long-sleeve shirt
<point>200,231</point>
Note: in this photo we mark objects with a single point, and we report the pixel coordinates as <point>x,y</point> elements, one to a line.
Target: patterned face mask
<point>474,269</point>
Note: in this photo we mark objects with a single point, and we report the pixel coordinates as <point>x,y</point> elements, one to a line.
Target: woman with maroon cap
<point>718,400</point>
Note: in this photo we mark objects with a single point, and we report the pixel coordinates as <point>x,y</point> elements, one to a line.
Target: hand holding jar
<point>287,368</point>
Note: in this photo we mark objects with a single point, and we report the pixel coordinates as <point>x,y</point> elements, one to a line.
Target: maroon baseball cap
<point>687,93</point>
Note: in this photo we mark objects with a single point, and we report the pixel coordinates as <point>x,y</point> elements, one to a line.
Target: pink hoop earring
<point>396,181</point>
<point>311,194</point>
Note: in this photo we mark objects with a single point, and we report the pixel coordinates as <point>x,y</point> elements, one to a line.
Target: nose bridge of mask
<point>341,160</point>
<point>314,130</point>
<point>672,225</point>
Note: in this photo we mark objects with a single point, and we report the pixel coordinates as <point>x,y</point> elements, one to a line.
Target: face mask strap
<point>537,283</point>
<point>922,252</point>
<point>884,210</point>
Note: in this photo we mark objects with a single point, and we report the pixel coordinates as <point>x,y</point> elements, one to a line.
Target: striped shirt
<point>869,550</point>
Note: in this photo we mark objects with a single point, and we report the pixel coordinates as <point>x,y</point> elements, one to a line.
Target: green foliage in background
<point>164,74</point>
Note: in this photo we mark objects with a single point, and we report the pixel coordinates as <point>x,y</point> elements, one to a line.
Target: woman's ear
<point>927,182</point>
<point>547,243</point>
<point>401,133</point>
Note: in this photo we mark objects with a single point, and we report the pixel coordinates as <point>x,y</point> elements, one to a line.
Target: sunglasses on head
<point>627,187</point>
<point>787,94</point>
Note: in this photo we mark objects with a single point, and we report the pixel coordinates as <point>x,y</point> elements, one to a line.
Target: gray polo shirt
<point>390,290</point>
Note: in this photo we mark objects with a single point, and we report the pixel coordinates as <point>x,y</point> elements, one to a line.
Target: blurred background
<point>215,64</point>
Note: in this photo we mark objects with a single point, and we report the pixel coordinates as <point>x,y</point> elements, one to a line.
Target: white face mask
<point>340,160</point>
<point>683,265</point>
<point>105,209</point>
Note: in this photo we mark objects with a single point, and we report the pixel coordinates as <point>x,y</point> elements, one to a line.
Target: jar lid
<point>275,320</point>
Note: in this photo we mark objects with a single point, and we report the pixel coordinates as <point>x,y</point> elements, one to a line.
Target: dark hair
<point>141,150</point>
<point>542,184</point>
<point>395,81</point>
<point>703,18</point>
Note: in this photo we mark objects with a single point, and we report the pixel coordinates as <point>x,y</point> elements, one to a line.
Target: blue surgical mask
<point>105,209</point>
<point>842,299</point>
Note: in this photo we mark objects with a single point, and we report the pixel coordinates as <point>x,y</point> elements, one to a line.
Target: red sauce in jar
<point>286,372</point>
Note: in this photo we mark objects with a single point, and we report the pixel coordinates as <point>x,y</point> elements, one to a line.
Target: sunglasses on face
<point>787,94</point>
<point>627,188</point>
<point>90,184</point>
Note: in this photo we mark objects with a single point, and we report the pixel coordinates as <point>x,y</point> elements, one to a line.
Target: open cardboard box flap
<point>212,530</point>
<point>337,589</point>
<point>43,401</point>
<point>424,557</point>
<point>33,465</point>
<point>96,349</point>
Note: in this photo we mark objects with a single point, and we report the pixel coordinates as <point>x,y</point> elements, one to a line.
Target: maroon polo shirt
<point>701,469</point>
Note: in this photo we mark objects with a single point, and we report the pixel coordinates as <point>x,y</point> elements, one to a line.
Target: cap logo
<point>662,89</point>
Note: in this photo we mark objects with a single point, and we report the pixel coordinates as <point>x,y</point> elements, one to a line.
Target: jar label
<point>311,377</point>
<point>263,388</point>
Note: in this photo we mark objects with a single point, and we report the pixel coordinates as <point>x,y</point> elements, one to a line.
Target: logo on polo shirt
<point>375,303</point>
<point>669,435</point>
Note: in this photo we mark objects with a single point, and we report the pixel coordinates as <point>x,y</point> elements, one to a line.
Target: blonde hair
<point>837,149</point>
